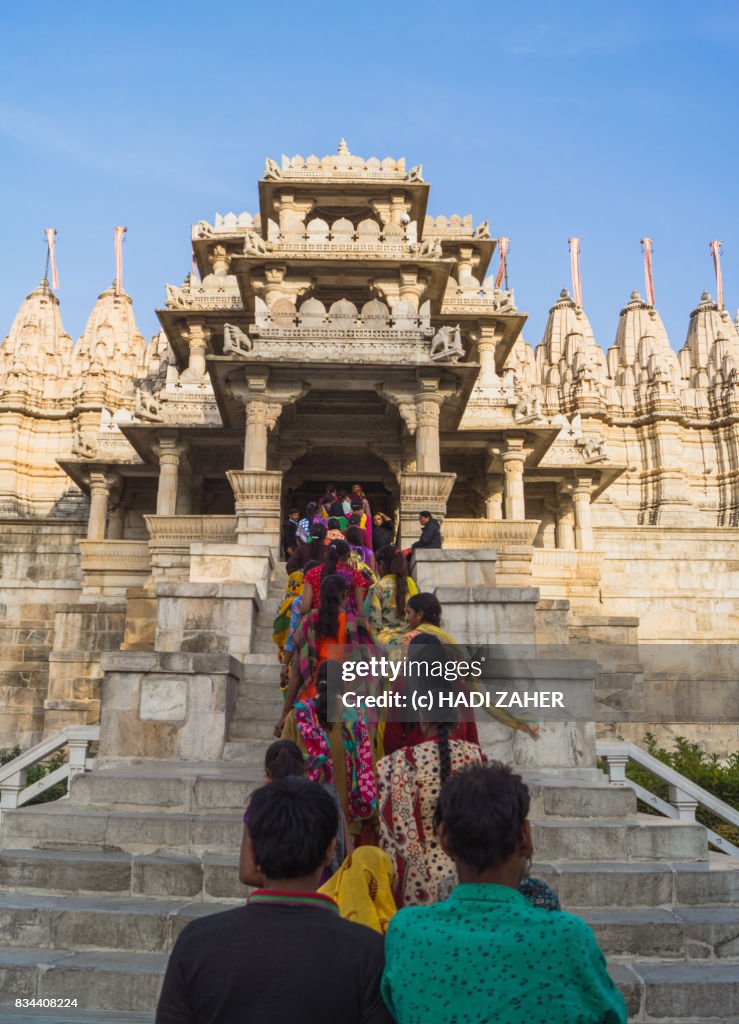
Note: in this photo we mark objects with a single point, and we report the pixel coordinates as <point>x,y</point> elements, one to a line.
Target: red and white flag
<point>575,267</point>
<point>716,252</point>
<point>647,246</point>
<point>119,233</point>
<point>50,239</point>
<point>503,244</point>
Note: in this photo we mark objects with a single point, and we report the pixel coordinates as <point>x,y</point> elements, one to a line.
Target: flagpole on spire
<point>119,233</point>
<point>575,268</point>
<point>716,253</point>
<point>647,244</point>
<point>503,244</point>
<point>51,257</point>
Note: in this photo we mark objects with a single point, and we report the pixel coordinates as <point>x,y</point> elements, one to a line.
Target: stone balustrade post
<point>493,497</point>
<point>513,461</point>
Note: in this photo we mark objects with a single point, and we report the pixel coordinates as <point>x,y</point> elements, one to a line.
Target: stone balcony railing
<point>170,538</point>
<point>110,567</point>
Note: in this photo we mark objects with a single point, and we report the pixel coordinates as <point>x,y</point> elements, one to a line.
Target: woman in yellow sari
<point>385,603</point>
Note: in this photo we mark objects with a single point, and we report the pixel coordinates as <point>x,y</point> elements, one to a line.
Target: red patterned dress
<point>408,785</point>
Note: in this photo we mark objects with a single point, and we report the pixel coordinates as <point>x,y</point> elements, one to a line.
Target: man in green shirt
<point>486,955</point>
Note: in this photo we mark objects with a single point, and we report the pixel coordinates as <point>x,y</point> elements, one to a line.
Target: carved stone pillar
<point>493,494</point>
<point>513,461</point>
<point>565,518</point>
<point>486,353</point>
<point>169,452</point>
<point>583,522</point>
<point>261,417</point>
<point>99,493</point>
<point>428,410</point>
<point>197,335</point>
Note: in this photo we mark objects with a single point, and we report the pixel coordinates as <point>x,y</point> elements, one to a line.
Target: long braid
<point>445,753</point>
<point>333,588</point>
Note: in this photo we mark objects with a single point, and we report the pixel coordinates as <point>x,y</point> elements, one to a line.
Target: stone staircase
<point>95,889</point>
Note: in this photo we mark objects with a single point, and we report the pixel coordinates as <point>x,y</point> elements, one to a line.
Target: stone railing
<point>170,538</point>
<point>14,791</point>
<point>489,533</point>
<point>683,798</point>
<point>110,567</point>
<point>186,529</point>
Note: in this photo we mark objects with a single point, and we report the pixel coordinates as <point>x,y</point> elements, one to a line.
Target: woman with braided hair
<point>385,603</point>
<point>408,785</point>
<point>337,562</point>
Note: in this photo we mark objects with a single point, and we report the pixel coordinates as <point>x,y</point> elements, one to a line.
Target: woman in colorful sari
<point>337,753</point>
<point>290,612</point>
<point>337,561</point>
<point>361,557</point>
<point>281,625</point>
<point>319,630</point>
<point>409,782</point>
<point>423,615</point>
<point>384,605</point>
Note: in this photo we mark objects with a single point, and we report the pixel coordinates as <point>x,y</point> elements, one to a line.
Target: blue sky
<point>609,122</point>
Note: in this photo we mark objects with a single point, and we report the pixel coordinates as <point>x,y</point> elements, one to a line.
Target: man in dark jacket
<point>286,955</point>
<point>430,532</point>
<point>290,532</point>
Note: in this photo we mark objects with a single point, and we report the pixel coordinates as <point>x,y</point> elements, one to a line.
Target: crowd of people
<point>390,862</point>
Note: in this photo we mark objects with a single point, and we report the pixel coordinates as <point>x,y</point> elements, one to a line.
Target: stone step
<point>98,980</point>
<point>646,838</point>
<point>678,933</point>
<point>245,750</point>
<point>264,708</point>
<point>172,786</point>
<point>20,1016</point>
<point>677,992</point>
<point>54,827</point>
<point>642,883</point>
<point>254,731</point>
<point>130,982</point>
<point>102,922</point>
<point>182,876</point>
<point>57,826</point>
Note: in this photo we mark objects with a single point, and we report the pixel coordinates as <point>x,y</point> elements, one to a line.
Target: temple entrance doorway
<point>307,478</point>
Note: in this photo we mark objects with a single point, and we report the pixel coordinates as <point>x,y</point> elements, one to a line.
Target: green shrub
<point>39,771</point>
<point>721,779</point>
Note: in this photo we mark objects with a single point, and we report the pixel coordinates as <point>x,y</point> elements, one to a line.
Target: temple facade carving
<point>343,332</point>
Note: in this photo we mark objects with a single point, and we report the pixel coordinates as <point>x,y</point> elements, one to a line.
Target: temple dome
<point>707,323</point>
<point>37,342</point>
<point>111,342</point>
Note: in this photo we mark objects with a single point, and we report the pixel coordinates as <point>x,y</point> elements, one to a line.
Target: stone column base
<point>258,513</point>
<point>421,492</point>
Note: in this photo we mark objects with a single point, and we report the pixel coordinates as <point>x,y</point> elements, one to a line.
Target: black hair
<point>483,808</point>
<point>318,535</point>
<point>356,503</point>
<point>310,509</point>
<point>396,563</point>
<point>283,758</point>
<point>426,515</point>
<point>320,701</point>
<point>338,552</point>
<point>333,588</point>
<point>429,606</point>
<point>294,512</point>
<point>333,523</point>
<point>291,823</point>
<point>311,564</point>
<point>355,536</point>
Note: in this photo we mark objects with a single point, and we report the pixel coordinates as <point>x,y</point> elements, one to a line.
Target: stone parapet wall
<point>682,583</point>
<point>39,574</point>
